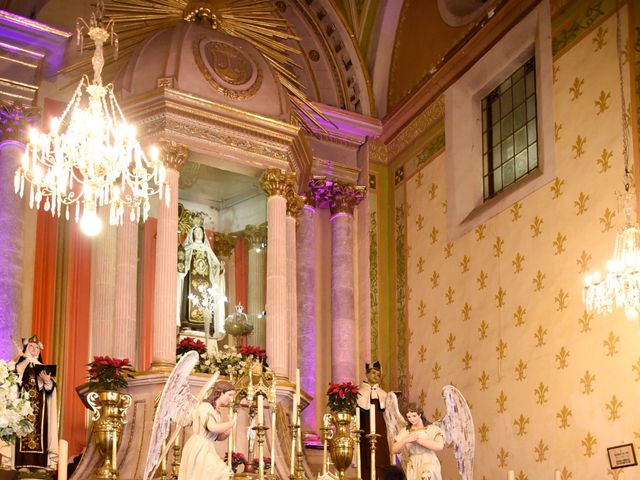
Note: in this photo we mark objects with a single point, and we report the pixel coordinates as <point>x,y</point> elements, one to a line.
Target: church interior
<point>313,195</point>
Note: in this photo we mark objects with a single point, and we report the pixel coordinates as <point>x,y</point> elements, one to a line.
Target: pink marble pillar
<point>277,183</point>
<point>256,237</point>
<point>103,292</point>
<point>165,298</point>
<point>306,292</point>
<point>124,340</point>
<point>294,204</point>
<point>344,198</point>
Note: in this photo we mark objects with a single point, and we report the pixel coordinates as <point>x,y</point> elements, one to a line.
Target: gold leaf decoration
<point>587,383</point>
<point>563,417</point>
<point>556,188</point>
<point>600,38</point>
<point>422,397</point>
<point>451,341</point>
<point>435,325</point>
<point>515,211</point>
<point>521,424</point>
<point>419,179</point>
<point>517,263</point>
<point>576,89</point>
<point>604,160</point>
<point>466,312</point>
<point>521,370</point>
<point>482,280</point>
<point>538,281</point>
<point>501,349</point>
<point>420,222</point>
<point>602,103</point>
<point>497,247</point>
<point>561,358</point>
<point>541,393</point>
<point>464,264</point>
<point>421,308</point>
<point>518,315</point>
<point>636,368</point>
<point>610,344</point>
<point>541,451</point>
<point>434,235</point>
<point>422,353</point>
<point>557,127</point>
<point>558,244</point>
<point>583,261</point>
<point>566,474</point>
<point>483,329</point>
<point>466,361</point>
<point>444,207</point>
<point>484,433</point>
<point>607,220</point>
<point>502,402</point>
<point>539,336</point>
<point>614,407</point>
<point>502,456</point>
<point>420,265</point>
<point>480,231</point>
<point>483,380</point>
<point>589,443</point>
<point>521,476</point>
<point>448,250</point>
<point>536,226</point>
<point>578,147</point>
<point>433,191</point>
<point>556,69</point>
<point>500,296</point>
<point>581,203</point>
<point>562,300</point>
<point>435,279</point>
<point>436,371</point>
<point>450,295</point>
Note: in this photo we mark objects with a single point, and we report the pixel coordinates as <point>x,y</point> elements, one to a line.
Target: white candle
<point>358,459</point>
<point>114,453</point>
<point>298,384</point>
<point>511,475</point>
<point>63,459</point>
<point>260,410</point>
<point>372,419</point>
<point>273,440</point>
<point>557,475</point>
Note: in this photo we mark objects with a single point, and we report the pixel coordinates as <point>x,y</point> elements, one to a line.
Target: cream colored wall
<point>499,313</point>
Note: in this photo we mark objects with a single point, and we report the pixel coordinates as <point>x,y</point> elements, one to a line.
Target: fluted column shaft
<point>11,239</point>
<point>103,292</point>
<point>306,292</point>
<point>292,298</point>
<point>124,341</point>
<point>256,295</point>
<point>165,298</point>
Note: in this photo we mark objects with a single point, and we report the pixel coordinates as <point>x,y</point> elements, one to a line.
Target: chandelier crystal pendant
<point>620,288</point>
<point>91,157</point>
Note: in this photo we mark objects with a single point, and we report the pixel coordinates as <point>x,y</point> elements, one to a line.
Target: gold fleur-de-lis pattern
<point>551,385</point>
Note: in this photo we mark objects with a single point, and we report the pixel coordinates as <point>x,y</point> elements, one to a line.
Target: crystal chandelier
<point>620,288</point>
<point>91,158</point>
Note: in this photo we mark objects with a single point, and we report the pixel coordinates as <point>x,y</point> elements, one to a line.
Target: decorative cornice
<point>276,181</point>
<point>172,153</point>
<point>223,244</point>
<point>15,118</point>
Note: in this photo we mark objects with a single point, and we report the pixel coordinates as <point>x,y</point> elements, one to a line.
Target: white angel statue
<point>199,459</point>
<point>417,440</point>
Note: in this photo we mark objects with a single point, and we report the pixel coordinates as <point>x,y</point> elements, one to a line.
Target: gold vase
<point>341,445</point>
<point>109,412</point>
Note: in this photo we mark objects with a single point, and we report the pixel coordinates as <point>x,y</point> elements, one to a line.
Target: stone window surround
<point>463,123</point>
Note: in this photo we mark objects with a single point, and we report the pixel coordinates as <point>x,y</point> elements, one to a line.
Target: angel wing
<point>458,428</point>
<point>176,404</point>
<point>393,418</point>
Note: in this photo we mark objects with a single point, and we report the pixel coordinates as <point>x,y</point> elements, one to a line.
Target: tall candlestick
<point>272,468</point>
<point>114,454</point>
<point>372,419</point>
<point>358,458</point>
<point>298,384</point>
<point>63,459</point>
<point>260,410</point>
<point>511,475</point>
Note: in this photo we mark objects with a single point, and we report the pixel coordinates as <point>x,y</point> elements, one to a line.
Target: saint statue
<point>201,272</point>
<point>39,449</point>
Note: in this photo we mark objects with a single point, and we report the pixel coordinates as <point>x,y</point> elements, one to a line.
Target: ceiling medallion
<point>227,69</point>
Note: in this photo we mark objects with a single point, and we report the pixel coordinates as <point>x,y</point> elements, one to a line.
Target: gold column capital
<point>223,244</point>
<point>295,203</point>
<point>255,235</point>
<point>346,196</point>
<point>172,153</point>
<point>15,118</point>
<point>276,181</point>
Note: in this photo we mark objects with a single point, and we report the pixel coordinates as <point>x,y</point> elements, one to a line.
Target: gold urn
<point>341,444</point>
<point>109,412</point>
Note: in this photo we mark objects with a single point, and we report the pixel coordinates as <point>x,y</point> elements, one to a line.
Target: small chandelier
<point>620,288</point>
<point>91,157</point>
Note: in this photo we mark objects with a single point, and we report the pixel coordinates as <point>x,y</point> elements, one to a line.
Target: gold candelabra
<point>356,438</point>
<point>373,439</point>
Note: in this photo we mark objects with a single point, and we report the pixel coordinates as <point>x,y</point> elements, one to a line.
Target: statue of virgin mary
<point>202,270</point>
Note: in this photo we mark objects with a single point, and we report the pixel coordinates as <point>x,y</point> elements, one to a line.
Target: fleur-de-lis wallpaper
<point>500,309</point>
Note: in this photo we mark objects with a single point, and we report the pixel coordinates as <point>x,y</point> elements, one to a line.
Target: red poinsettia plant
<point>237,459</point>
<point>188,344</point>
<point>342,397</point>
<point>267,463</point>
<point>109,373</point>
<point>250,351</point>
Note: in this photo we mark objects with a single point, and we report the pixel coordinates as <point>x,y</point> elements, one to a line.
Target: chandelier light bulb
<point>90,224</point>
<point>631,314</point>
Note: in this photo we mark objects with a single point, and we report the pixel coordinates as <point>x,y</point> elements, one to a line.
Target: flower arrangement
<point>189,344</point>
<point>227,361</point>
<point>342,397</point>
<point>256,463</point>
<point>256,353</point>
<point>107,373</point>
<point>15,410</point>
<point>237,459</point>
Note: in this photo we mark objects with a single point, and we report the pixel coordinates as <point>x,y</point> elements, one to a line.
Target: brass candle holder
<point>356,437</point>
<point>373,439</point>
<point>260,434</point>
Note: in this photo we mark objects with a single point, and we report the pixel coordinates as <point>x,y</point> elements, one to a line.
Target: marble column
<point>344,198</point>
<point>125,328</point>
<point>277,183</point>
<point>256,238</point>
<point>14,118</point>
<point>103,291</point>
<point>165,298</point>
<point>294,204</point>
<point>306,293</point>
